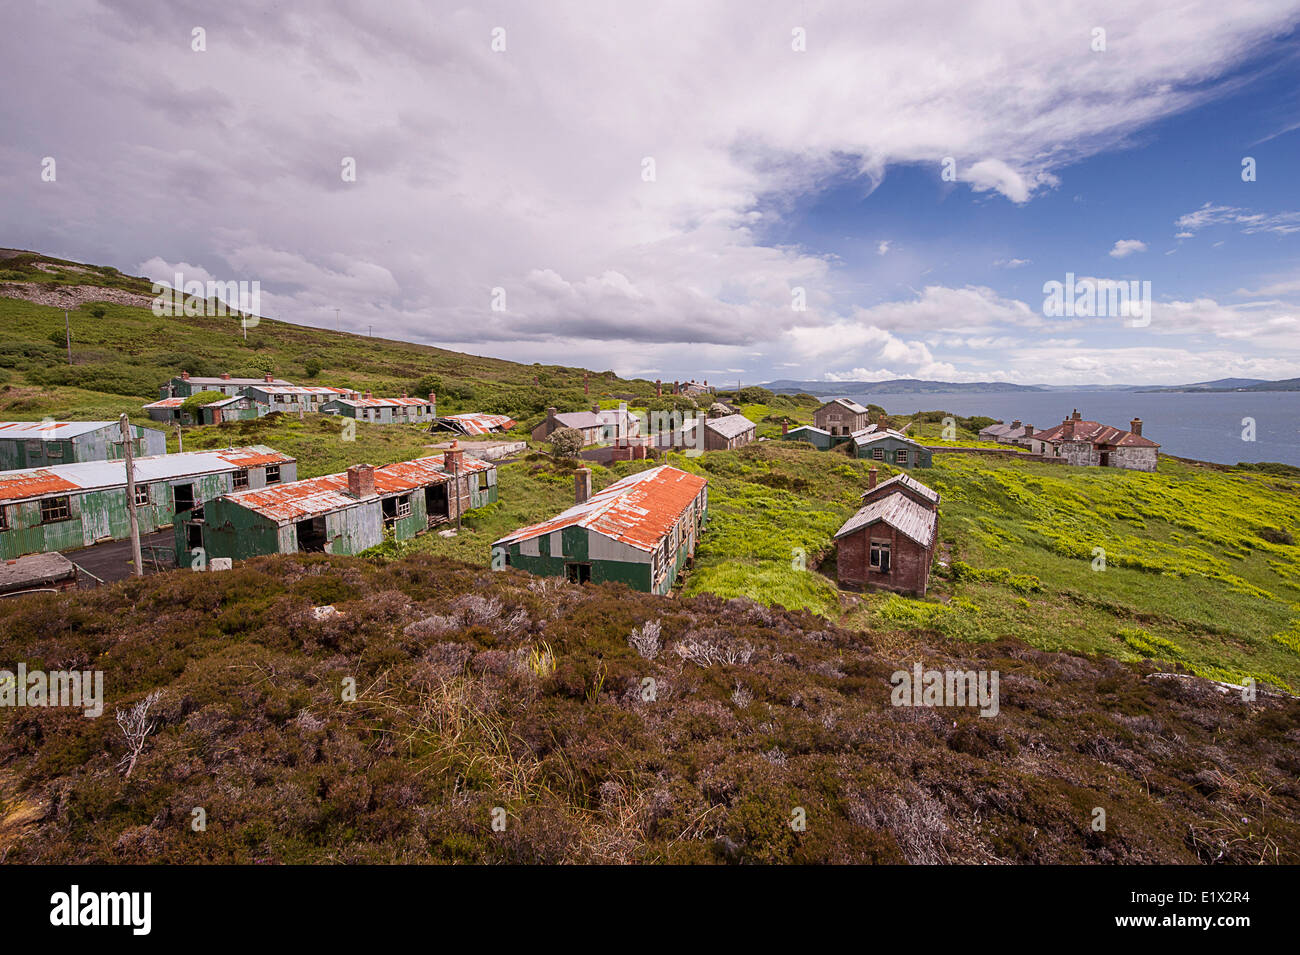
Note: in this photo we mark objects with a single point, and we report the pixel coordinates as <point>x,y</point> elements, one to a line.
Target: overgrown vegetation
<point>482,695</point>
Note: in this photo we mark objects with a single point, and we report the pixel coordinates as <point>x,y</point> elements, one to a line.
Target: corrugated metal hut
<point>76,505</point>
<point>341,513</point>
<point>401,410</point>
<point>891,447</point>
<point>819,438</point>
<point>639,531</point>
<point>37,444</point>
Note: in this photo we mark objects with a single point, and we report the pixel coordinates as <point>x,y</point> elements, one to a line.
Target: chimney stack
<point>185,376</point>
<point>1016,423</point>
<point>369,395</point>
<point>581,485</point>
<point>433,399</point>
<point>452,458</point>
<point>595,407</point>
<point>225,376</point>
<point>269,378</point>
<point>1076,416</point>
<point>871,478</point>
<point>1136,426</point>
<point>659,387</point>
<point>361,480</point>
<point>785,427</point>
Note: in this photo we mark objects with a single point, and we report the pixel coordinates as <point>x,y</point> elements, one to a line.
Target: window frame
<point>272,479</point>
<point>241,474</point>
<point>51,501</point>
<point>142,489</point>
<point>880,549</point>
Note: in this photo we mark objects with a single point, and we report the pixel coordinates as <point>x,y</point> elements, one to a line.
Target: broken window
<point>482,480</point>
<point>4,519</point>
<point>578,573</point>
<point>142,495</point>
<point>880,556</point>
<point>878,453</point>
<point>901,457</point>
<point>55,509</point>
<point>241,479</point>
<point>273,474</point>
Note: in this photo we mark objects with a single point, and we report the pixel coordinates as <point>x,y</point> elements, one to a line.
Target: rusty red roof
<point>382,402</point>
<point>1094,432</point>
<point>639,510</point>
<point>312,497</point>
<point>97,475</point>
<point>476,423</point>
<point>166,403</point>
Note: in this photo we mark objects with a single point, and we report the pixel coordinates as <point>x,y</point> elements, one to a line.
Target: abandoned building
<point>597,426</point>
<point>183,385</point>
<point>819,438</point>
<point>841,416</point>
<point>75,505</point>
<point>341,513</point>
<point>473,423</point>
<point>640,531</point>
<point>292,399</point>
<point>1091,444</point>
<point>366,407</point>
<point>1006,433</point>
<point>720,434</point>
<point>889,543</point>
<point>38,444</point>
<point>890,447</point>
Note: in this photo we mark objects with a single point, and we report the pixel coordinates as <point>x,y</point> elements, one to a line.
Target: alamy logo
<point>946,688</point>
<point>194,298</point>
<point>103,908</point>
<point>1097,298</point>
<point>54,688</point>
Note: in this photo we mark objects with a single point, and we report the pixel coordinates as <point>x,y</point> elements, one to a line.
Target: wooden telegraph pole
<point>129,457</point>
<point>67,327</point>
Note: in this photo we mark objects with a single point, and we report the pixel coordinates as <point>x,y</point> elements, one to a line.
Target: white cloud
<point>1125,247</point>
<point>1250,223</point>
<point>882,247</point>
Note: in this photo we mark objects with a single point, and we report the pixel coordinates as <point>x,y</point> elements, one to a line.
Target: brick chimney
<point>453,458</point>
<point>1076,416</point>
<point>369,395</point>
<point>785,427</point>
<point>185,376</point>
<point>269,378</point>
<point>433,399</point>
<point>581,485</point>
<point>225,376</point>
<point>1029,429</point>
<point>1136,426</point>
<point>595,408</point>
<point>659,387</point>
<point>1016,423</point>
<point>872,474</point>
<point>361,480</point>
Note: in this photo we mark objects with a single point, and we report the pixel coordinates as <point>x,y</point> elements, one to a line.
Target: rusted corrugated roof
<point>1095,433</point>
<point>166,403</point>
<point>52,430</point>
<point>639,510</point>
<point>97,475</point>
<point>301,389</point>
<point>382,402</point>
<point>476,423</point>
<point>284,503</point>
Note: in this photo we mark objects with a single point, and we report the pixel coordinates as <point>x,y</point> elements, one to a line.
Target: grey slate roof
<point>868,435</point>
<point>901,513</point>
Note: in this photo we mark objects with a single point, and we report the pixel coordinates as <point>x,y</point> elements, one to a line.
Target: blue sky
<point>744,190</point>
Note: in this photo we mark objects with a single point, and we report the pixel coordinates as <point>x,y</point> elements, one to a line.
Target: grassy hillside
<point>122,352</point>
<point>479,693</point>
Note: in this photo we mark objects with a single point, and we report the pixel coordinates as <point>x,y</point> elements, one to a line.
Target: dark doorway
<point>311,534</point>
<point>1105,459</point>
<point>578,573</point>
<point>435,503</point>
<point>193,535</point>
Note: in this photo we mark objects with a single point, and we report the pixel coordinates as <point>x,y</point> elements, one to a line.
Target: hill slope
<point>477,690</point>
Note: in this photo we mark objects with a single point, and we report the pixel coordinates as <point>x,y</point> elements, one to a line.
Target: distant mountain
<point>1233,384</point>
<point>896,386</point>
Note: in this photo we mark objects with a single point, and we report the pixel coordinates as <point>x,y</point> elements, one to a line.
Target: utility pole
<point>67,326</point>
<point>455,483</point>
<point>180,441</point>
<point>338,325</point>
<point>372,330</point>
<point>129,455</point>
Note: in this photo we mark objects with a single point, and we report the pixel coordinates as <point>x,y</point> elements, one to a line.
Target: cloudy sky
<point>724,190</point>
